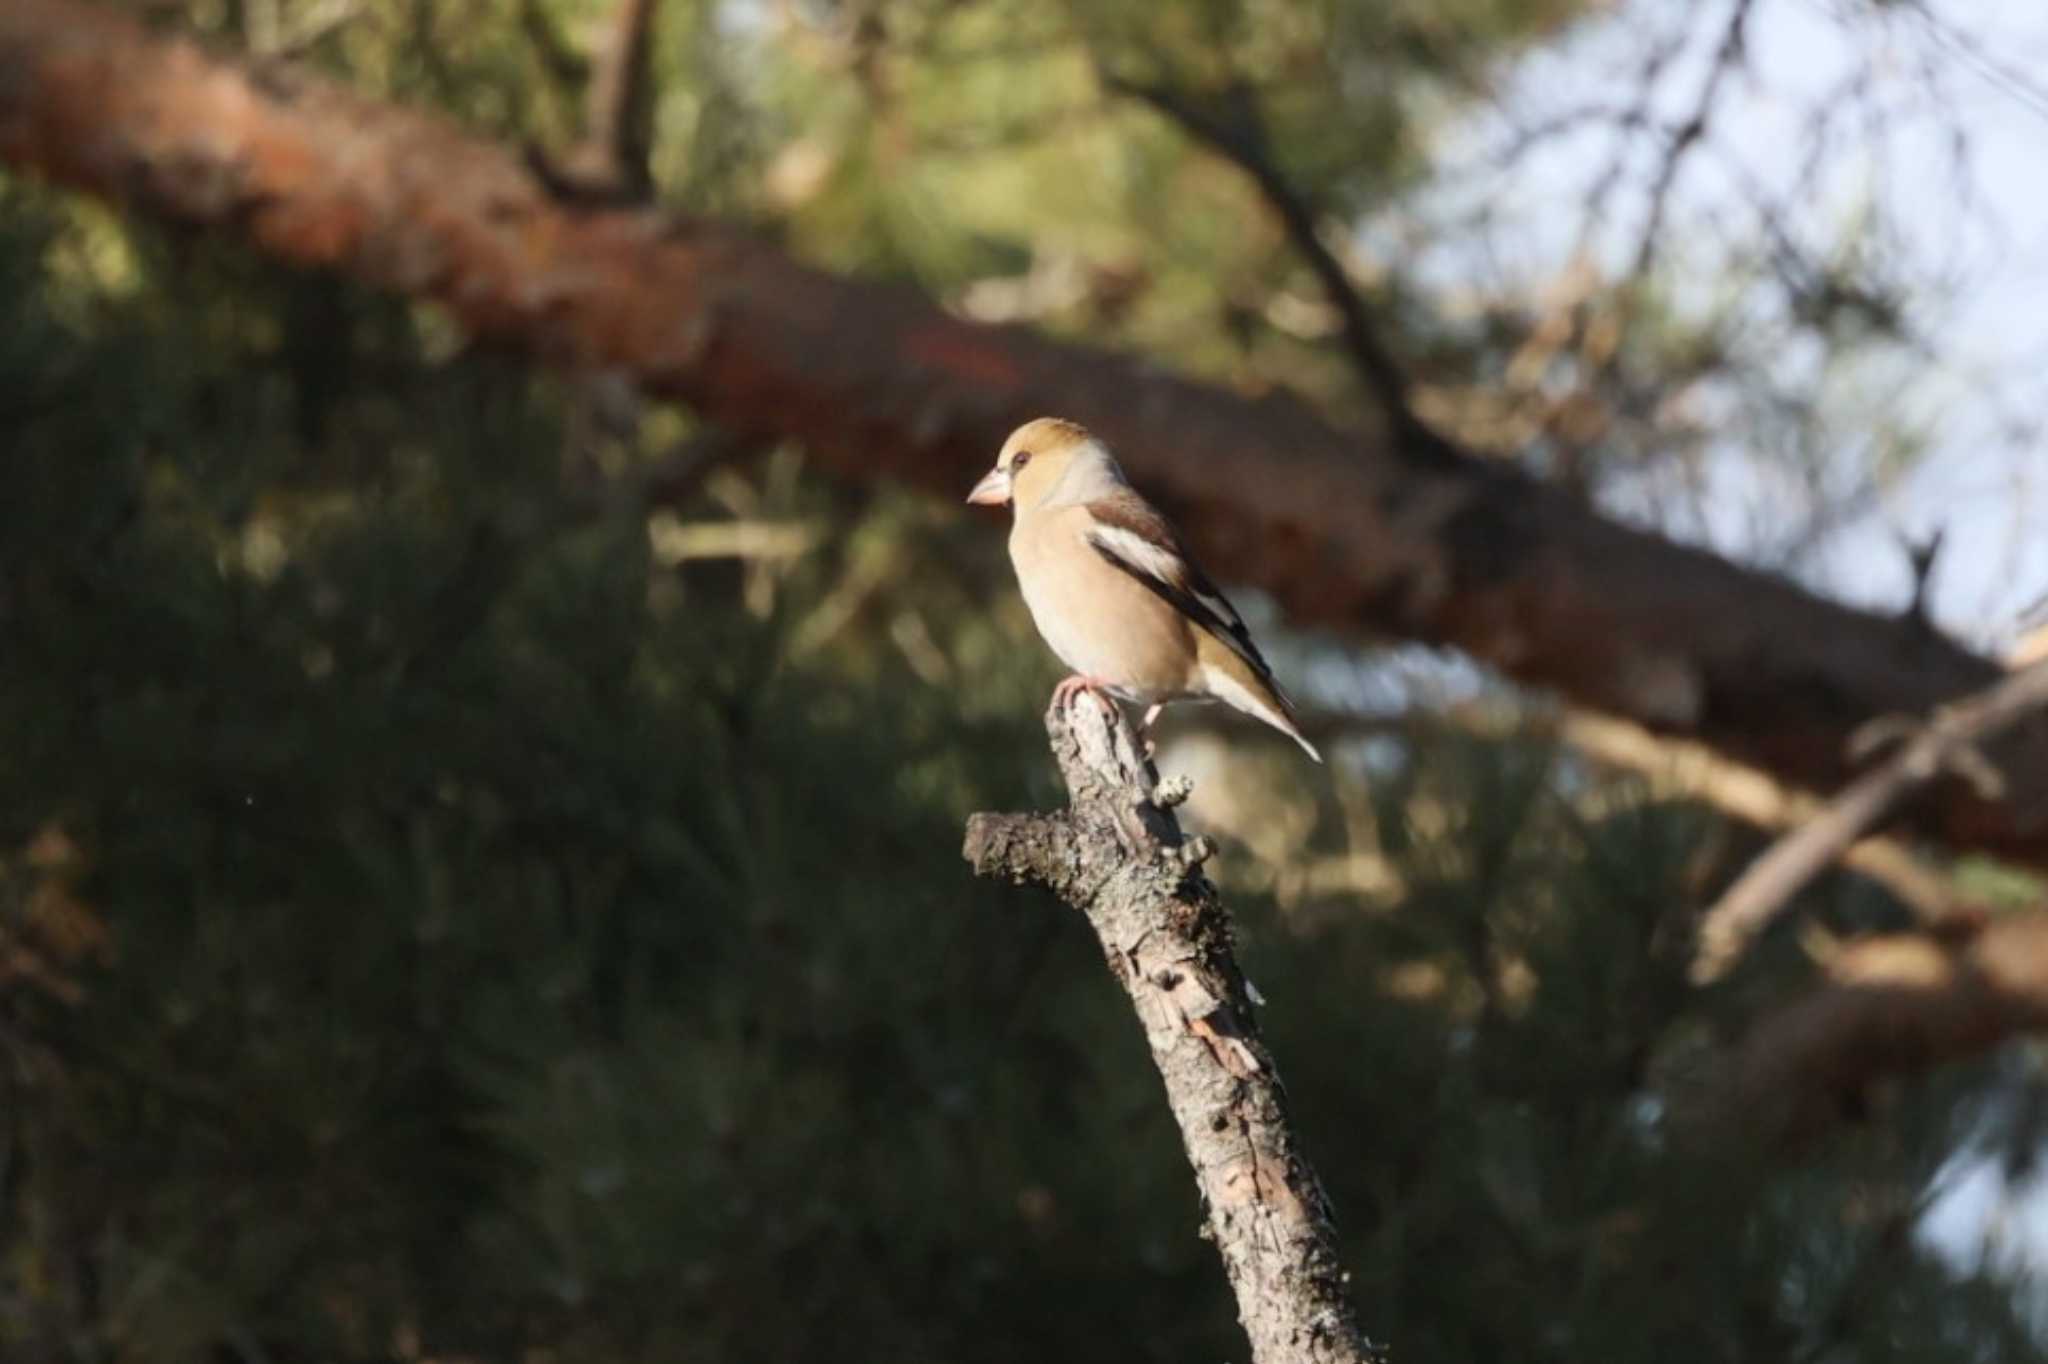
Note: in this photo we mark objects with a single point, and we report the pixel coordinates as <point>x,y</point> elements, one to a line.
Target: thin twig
<point>1946,744</point>
<point>1240,139</point>
<point>1687,135</point>
<point>1638,115</point>
<point>273,40</point>
<point>1921,557</point>
<point>609,164</point>
<point>616,137</point>
<point>566,68</point>
<point>1120,858</point>
<point>1673,766</point>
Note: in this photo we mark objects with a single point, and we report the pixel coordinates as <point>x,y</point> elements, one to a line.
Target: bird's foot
<point>1069,687</point>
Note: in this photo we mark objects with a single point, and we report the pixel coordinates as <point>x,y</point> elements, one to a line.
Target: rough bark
<point>1372,530</point>
<point>1117,854</point>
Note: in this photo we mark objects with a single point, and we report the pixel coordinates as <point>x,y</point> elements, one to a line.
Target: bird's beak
<point>993,490</point>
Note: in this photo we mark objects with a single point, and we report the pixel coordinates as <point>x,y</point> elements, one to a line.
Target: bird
<point>1112,587</point>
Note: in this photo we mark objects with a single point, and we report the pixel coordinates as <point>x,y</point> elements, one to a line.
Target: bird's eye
<point>1019,460</point>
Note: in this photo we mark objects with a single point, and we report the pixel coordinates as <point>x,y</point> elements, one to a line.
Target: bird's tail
<point>1263,701</point>
<point>1288,728</point>
<point>1283,720</point>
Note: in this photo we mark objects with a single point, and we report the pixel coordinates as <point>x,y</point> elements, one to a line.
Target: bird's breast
<point>1099,620</point>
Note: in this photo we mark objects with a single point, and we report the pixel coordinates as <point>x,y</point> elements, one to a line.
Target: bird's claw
<point>1069,687</point>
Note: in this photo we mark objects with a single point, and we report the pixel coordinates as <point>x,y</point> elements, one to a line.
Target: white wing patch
<point>1162,563</point>
<point>1135,550</point>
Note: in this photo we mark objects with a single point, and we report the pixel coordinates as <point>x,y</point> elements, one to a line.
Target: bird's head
<point>1034,459</point>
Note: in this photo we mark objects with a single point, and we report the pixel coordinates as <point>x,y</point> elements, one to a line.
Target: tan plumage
<point>1112,588</point>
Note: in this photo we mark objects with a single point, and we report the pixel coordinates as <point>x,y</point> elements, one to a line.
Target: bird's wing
<point>1133,537</point>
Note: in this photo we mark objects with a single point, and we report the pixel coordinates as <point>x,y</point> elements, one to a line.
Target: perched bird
<point>1112,588</point>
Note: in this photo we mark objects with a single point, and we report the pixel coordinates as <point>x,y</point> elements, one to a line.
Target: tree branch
<point>1890,1005</point>
<point>616,138</point>
<point>1753,797</point>
<point>1373,530</point>
<point>1727,56</point>
<point>1949,743</point>
<point>564,67</point>
<point>1243,143</point>
<point>608,164</point>
<point>1117,856</point>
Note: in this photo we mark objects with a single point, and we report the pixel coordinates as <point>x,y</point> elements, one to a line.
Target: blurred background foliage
<point>481,871</point>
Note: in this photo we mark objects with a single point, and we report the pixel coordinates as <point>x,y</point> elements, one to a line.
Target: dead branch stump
<point>1117,854</point>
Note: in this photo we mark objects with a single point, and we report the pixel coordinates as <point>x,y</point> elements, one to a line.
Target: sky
<point>1935,127</point>
<point>1939,128</point>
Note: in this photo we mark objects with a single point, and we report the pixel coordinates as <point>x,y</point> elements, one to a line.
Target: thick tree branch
<point>1117,856</point>
<point>1949,742</point>
<point>1364,530</point>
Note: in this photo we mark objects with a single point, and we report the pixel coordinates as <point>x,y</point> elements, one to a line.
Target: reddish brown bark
<point>1370,531</point>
